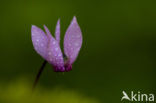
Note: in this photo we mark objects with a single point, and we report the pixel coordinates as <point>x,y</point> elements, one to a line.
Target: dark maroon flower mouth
<point>59,69</point>
<point>68,67</point>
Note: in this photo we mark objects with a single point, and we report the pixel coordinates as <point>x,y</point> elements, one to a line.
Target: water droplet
<point>42,45</point>
<point>78,36</point>
<point>54,42</point>
<point>76,44</point>
<point>56,49</point>
<point>59,55</point>
<point>49,53</point>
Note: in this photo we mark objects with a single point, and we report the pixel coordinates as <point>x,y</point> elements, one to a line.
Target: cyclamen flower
<point>49,47</point>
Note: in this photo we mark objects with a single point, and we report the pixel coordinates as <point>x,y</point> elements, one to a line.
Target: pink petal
<point>48,32</point>
<point>54,53</point>
<point>57,31</point>
<point>72,41</point>
<point>55,56</point>
<point>39,40</point>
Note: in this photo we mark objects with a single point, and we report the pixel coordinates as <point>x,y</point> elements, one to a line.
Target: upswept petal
<point>54,53</point>
<point>72,41</point>
<point>40,41</point>
<point>57,31</point>
<point>47,32</point>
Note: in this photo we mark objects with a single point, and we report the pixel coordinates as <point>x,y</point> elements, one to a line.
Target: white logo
<point>137,96</point>
<point>125,96</point>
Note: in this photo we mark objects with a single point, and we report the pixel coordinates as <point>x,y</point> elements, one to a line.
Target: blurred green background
<point>118,51</point>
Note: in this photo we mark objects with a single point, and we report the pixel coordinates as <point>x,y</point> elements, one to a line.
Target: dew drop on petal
<point>56,49</point>
<point>59,55</point>
<point>54,42</point>
<point>37,40</point>
<point>49,53</point>
<point>42,45</point>
<point>76,44</point>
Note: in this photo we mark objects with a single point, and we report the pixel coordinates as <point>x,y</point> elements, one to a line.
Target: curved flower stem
<point>39,74</point>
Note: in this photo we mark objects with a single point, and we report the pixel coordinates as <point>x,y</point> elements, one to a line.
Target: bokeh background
<point>118,52</point>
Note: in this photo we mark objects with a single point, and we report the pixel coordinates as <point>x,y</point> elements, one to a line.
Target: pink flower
<point>49,47</point>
